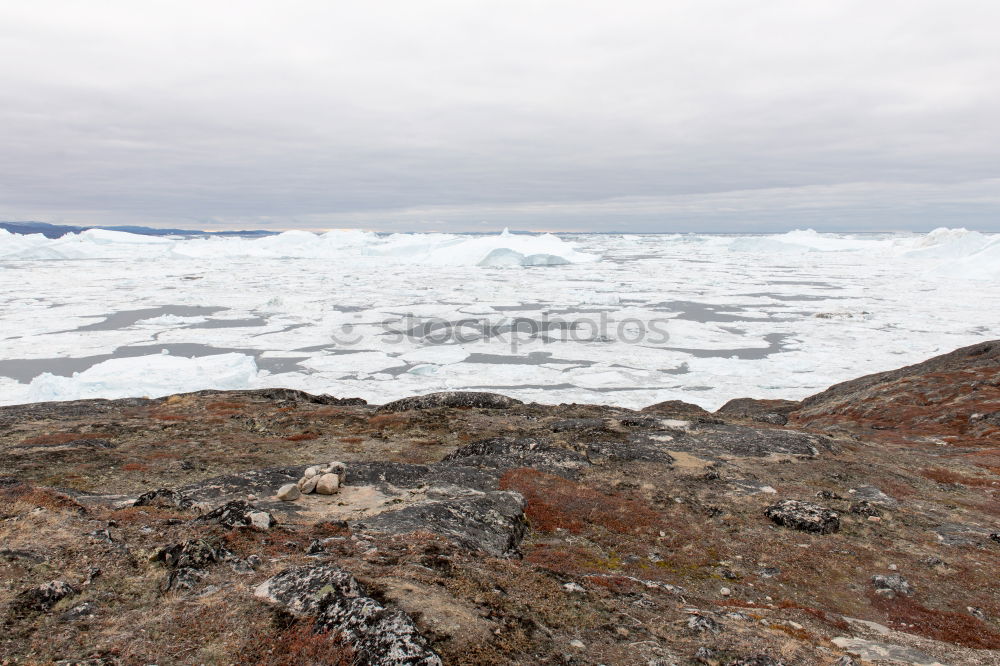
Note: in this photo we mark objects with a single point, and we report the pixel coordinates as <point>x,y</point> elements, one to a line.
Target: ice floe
<point>628,320</point>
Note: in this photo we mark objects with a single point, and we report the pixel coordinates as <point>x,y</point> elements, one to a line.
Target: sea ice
<point>627,320</point>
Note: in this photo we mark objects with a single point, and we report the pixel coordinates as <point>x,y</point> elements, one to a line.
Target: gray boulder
<point>380,636</point>
<point>891,584</point>
<point>804,516</point>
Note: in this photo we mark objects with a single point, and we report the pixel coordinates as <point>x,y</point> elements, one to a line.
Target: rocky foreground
<point>859,526</point>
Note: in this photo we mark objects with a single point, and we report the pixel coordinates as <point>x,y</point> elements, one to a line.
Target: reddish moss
<point>296,644</point>
<point>562,558</point>
<point>554,502</point>
<point>905,614</point>
<point>949,476</point>
<point>389,420</point>
<point>165,416</point>
<point>45,498</point>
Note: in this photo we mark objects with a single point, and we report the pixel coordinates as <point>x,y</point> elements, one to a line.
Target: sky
<point>678,115</point>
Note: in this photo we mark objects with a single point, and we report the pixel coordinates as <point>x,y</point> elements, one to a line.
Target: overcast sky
<point>473,115</point>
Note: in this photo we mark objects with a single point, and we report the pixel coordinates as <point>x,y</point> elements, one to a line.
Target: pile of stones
<point>316,479</point>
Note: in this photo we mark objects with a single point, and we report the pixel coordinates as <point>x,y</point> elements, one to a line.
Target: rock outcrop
<point>335,601</point>
<point>471,528</point>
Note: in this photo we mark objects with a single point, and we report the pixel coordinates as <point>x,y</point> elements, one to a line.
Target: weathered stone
<point>307,484</point>
<point>873,651</point>
<point>240,513</point>
<point>865,508</point>
<point>713,440</point>
<point>39,599</point>
<point>310,472</point>
<point>380,636</point>
<point>891,584</point>
<point>328,484</point>
<point>288,492</point>
<point>185,578</point>
<point>14,554</point>
<point>702,623</point>
<point>772,418</point>
<point>873,495</point>
<point>750,408</point>
<point>499,454</point>
<point>295,395</point>
<point>167,498</point>
<point>492,522</point>
<point>677,409</point>
<point>804,516</point>
<point>459,399</point>
<point>80,612</point>
<point>195,554</point>
<point>960,534</point>
<point>340,469</point>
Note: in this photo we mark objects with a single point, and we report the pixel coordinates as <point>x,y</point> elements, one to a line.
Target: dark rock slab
<point>891,584</point>
<point>294,395</point>
<point>498,454</point>
<point>380,636</point>
<point>41,599</point>
<point>16,554</point>
<point>724,440</point>
<point>749,408</point>
<point>164,498</point>
<point>459,399</point>
<point>490,522</point>
<point>873,495</point>
<point>195,554</point>
<point>804,516</point>
<point>676,409</point>
<point>959,534</point>
<point>638,448</point>
<point>240,513</point>
<point>261,482</point>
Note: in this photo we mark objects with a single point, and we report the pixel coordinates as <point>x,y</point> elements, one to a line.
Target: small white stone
<point>259,520</point>
<point>307,484</point>
<point>725,591</point>
<point>328,484</point>
<point>892,567</point>
<point>577,644</point>
<point>573,587</point>
<point>288,492</point>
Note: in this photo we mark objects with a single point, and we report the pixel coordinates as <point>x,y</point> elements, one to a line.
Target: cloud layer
<point>707,115</point>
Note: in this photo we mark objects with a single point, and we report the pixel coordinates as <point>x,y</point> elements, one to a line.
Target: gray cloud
<point>709,115</point>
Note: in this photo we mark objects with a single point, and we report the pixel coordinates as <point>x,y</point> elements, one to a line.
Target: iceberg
<point>151,376</point>
<point>505,249</point>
